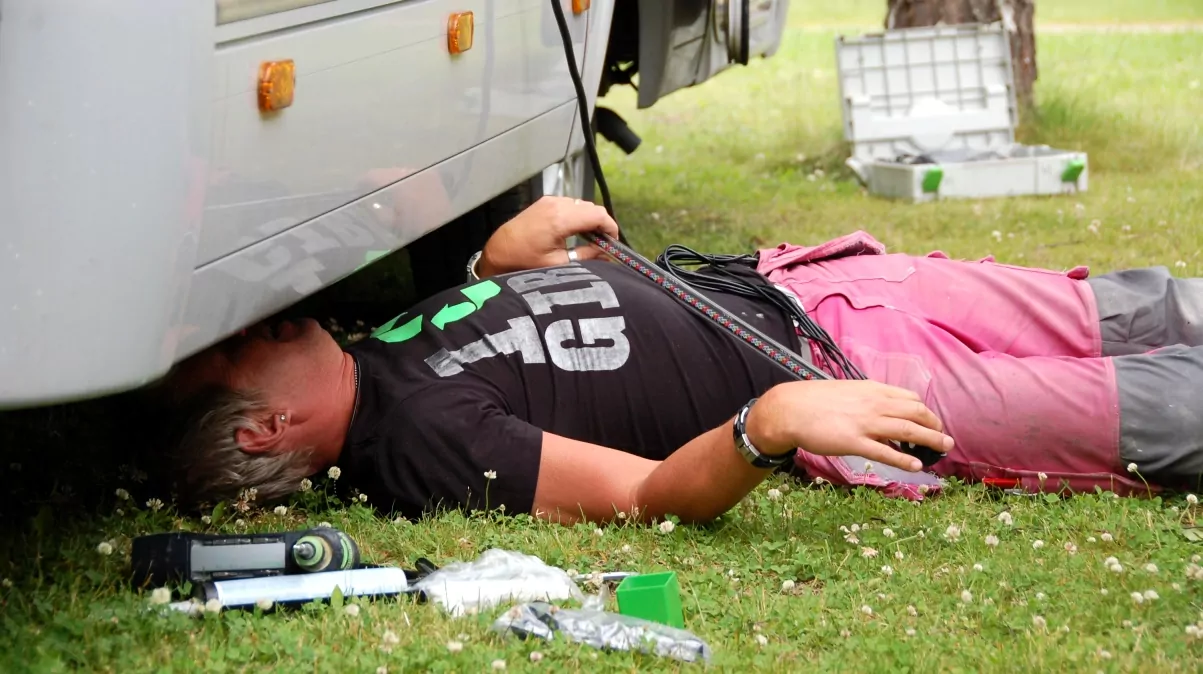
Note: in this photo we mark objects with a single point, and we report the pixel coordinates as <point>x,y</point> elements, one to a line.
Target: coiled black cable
<point>737,275</point>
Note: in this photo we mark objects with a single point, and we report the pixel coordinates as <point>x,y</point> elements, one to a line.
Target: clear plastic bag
<point>496,577</point>
<point>602,629</point>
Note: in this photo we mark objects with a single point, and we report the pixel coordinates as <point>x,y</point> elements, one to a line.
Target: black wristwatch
<point>748,450</point>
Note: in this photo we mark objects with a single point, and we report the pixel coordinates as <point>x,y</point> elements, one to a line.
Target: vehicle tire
<point>438,260</point>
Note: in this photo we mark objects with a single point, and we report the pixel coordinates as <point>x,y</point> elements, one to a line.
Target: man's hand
<point>537,237</point>
<point>837,418</point>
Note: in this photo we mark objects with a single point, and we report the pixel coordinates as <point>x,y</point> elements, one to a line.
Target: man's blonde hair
<point>208,463</point>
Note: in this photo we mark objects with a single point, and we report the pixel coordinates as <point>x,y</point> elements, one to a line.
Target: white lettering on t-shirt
<point>550,277</point>
<point>599,291</point>
<point>588,357</point>
<point>522,337</point>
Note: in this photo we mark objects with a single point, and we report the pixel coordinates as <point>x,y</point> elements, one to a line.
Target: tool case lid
<point>918,90</point>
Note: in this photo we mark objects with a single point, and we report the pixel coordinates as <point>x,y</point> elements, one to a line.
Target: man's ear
<point>265,437</point>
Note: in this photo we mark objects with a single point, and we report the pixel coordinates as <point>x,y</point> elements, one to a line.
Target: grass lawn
<point>751,159</point>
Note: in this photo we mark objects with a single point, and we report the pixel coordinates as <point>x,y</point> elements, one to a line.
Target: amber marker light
<point>277,82</point>
<point>459,32</point>
<point>580,6</point>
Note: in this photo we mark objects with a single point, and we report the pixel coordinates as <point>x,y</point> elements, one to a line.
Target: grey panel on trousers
<point>1143,309</point>
<point>1161,413</point>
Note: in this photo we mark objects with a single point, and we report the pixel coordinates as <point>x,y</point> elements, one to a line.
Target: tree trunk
<point>1017,15</point>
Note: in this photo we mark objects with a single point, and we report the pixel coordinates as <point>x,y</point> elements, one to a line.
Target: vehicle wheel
<point>438,260</point>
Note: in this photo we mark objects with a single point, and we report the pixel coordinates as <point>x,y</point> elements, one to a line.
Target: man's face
<point>290,363</point>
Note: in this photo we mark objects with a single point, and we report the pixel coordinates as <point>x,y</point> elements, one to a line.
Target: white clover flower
<point>952,533</point>
<point>774,494</point>
<point>363,498</point>
<point>105,548</point>
<point>213,606</point>
<point>1041,476</point>
<point>389,639</point>
<point>1192,499</point>
<point>499,664</point>
<point>1106,537</point>
<point>868,466</point>
<point>1039,622</point>
<point>123,495</point>
<point>762,640</point>
<point>382,669</point>
<point>1040,596</point>
<point>787,585</point>
<point>1151,567</point>
<point>1037,544</point>
<point>160,595</point>
<point>598,532</point>
<point>992,540</point>
<point>1151,595</point>
<point>306,484</point>
<point>154,504</point>
<point>868,553</point>
<point>1138,598</point>
<point>205,519</point>
<point>1116,568</point>
<point>626,548</point>
<point>820,481</point>
<point>887,532</point>
<point>1091,539</point>
<point>1005,518</point>
<point>334,473</point>
<point>899,555</point>
<point>978,567</point>
<point>866,609</point>
<point>1132,468</point>
<point>324,525</point>
<point>281,510</point>
<point>490,475</point>
<point>1104,592</point>
<point>667,526</point>
<point>536,656</point>
<point>855,528</point>
<point>240,523</point>
<point>264,604</point>
<point>1110,560</point>
<point>1071,548</point>
<point>887,570</point>
<point>852,538</point>
<point>351,610</point>
<point>455,646</point>
<point>966,596</point>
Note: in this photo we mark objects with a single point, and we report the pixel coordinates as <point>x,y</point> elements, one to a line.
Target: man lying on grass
<point>577,389</point>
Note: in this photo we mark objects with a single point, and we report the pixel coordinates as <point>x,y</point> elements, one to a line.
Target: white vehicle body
<point>149,208</point>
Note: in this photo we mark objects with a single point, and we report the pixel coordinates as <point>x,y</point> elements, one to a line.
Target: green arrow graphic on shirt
<point>387,333</point>
<point>478,294</point>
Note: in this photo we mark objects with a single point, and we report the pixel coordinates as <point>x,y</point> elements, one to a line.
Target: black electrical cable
<point>583,104</point>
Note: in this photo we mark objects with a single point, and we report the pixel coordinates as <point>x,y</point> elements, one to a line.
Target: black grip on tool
<point>926,455</point>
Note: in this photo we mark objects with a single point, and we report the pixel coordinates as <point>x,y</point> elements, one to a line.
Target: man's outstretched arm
<point>707,476</point>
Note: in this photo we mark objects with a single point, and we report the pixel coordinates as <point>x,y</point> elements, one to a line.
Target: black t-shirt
<point>455,393</point>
